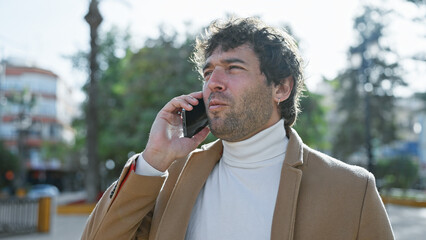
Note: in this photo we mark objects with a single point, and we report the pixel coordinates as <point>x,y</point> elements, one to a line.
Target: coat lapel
<point>288,192</point>
<point>177,213</point>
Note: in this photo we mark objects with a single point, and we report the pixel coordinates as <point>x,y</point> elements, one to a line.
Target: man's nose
<point>217,80</point>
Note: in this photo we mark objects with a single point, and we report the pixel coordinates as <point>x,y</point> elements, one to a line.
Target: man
<point>258,181</point>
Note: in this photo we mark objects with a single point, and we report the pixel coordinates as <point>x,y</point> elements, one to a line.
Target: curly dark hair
<point>277,52</point>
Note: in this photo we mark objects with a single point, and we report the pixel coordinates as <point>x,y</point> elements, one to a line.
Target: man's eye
<point>207,73</point>
<point>235,67</point>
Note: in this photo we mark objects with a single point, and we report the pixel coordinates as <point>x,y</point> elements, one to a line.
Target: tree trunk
<point>94,19</point>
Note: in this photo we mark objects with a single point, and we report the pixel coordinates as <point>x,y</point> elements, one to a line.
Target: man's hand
<point>166,142</point>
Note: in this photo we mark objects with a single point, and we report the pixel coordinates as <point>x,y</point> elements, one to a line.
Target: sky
<point>43,32</point>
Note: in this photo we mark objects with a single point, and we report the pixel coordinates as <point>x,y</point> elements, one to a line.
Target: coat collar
<point>177,213</point>
<point>288,192</point>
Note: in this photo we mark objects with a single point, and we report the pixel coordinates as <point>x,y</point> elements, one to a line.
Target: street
<point>408,224</point>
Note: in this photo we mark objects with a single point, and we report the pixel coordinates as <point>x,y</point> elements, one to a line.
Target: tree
<point>132,88</point>
<point>149,79</point>
<point>94,19</point>
<point>311,124</point>
<point>24,101</point>
<point>365,91</point>
<point>9,167</point>
<point>422,97</point>
<point>397,172</point>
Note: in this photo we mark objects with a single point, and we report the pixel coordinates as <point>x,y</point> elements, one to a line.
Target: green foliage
<point>133,87</point>
<point>8,162</point>
<point>422,97</point>
<point>374,73</point>
<point>24,99</point>
<point>397,172</point>
<point>417,2</point>
<point>311,124</point>
<point>56,150</point>
<point>149,79</point>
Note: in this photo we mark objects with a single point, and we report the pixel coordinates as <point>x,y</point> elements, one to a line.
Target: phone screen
<point>195,120</point>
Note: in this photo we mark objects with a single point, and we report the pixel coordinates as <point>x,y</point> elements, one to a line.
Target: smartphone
<point>195,120</point>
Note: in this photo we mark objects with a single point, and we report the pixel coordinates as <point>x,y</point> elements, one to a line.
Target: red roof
<point>13,70</point>
<point>43,119</point>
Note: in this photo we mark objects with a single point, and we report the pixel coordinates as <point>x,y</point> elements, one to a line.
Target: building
<point>36,107</point>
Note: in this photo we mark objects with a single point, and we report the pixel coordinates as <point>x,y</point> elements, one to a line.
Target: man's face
<point>238,100</point>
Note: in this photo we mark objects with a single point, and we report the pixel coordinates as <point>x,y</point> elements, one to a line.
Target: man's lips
<point>215,104</point>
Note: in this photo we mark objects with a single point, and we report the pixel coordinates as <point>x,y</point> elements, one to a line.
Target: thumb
<point>201,136</point>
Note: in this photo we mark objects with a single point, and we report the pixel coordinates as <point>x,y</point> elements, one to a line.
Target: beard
<point>245,115</point>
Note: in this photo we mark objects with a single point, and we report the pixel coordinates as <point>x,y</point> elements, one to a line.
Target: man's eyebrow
<point>233,60</point>
<point>228,61</point>
<point>207,65</point>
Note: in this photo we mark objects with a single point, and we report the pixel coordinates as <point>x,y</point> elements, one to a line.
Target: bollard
<point>43,224</point>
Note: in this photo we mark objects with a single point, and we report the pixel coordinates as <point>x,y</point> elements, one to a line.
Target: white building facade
<point>39,108</point>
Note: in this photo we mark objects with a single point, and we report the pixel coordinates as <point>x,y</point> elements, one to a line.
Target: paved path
<point>408,224</point>
<point>64,227</point>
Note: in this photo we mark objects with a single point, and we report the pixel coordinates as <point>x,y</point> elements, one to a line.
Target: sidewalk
<point>64,227</point>
<point>408,224</point>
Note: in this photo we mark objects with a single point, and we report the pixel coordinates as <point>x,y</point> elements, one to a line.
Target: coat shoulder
<point>345,194</point>
<point>331,168</point>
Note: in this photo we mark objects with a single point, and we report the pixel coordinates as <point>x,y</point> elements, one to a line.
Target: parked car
<point>43,190</point>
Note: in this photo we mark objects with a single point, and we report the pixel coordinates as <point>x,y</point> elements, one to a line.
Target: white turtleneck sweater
<point>238,199</point>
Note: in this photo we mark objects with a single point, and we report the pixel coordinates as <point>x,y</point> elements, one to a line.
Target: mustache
<point>221,97</point>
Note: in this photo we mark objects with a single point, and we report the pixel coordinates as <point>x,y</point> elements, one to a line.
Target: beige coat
<point>319,198</point>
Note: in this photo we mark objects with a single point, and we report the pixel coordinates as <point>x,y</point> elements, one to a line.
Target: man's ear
<point>282,91</point>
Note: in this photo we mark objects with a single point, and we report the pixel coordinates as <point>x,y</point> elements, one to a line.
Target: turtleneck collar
<point>260,150</point>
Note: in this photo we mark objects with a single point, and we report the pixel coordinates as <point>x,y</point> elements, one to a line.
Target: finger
<point>172,118</point>
<point>192,99</point>
<point>184,101</point>
<point>181,103</point>
<point>176,104</point>
<point>201,136</point>
<point>197,94</point>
